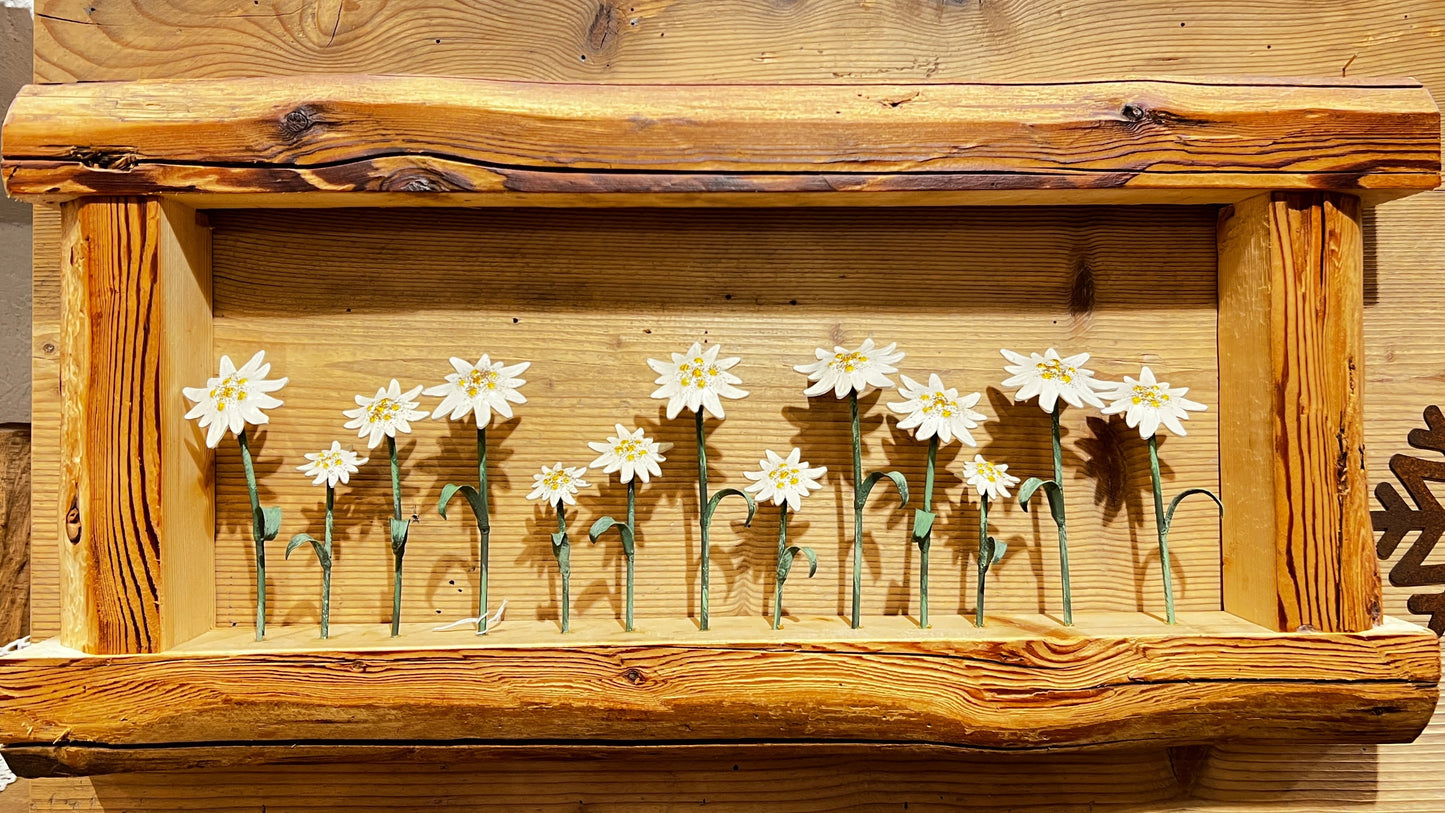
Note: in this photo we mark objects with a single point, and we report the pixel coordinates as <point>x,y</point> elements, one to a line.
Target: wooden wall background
<point>809,41</point>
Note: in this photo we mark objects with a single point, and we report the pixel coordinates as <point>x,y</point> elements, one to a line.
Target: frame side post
<point>134,484</point>
<point>1297,540</point>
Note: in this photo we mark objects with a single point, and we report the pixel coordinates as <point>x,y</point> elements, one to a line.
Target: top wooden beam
<point>364,140</point>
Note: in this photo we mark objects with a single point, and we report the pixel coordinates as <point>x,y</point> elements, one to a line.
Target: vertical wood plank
<point>123,349</point>
<point>1297,550</point>
<point>14,532</point>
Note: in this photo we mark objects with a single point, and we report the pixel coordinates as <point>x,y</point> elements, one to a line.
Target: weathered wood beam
<point>1298,545</point>
<point>438,135</point>
<point>1059,689</point>
<point>135,486</point>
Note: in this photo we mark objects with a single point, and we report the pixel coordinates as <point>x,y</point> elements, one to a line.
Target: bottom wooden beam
<point>1016,686</point>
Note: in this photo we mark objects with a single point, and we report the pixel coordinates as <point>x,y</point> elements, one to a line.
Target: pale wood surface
<point>1031,686</point>
<point>766,286</point>
<point>429,134</point>
<point>827,41</point>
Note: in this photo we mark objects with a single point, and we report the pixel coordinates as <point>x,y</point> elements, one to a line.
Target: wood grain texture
<point>1291,293</point>
<point>621,286</point>
<point>133,315</point>
<point>438,135</point>
<point>45,514</point>
<point>1020,687</point>
<point>14,532</point>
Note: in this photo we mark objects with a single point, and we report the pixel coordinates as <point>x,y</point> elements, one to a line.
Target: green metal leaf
<point>297,541</point>
<point>562,549</point>
<point>600,527</point>
<point>399,528</point>
<point>898,482</point>
<point>1052,491</point>
<point>474,498</point>
<point>1174,504</point>
<point>991,552</point>
<point>728,492</point>
<point>812,559</point>
<point>922,525</point>
<point>559,539</point>
<point>606,524</point>
<point>268,520</point>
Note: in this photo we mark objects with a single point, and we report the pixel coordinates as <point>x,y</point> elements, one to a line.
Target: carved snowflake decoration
<point>1426,519</point>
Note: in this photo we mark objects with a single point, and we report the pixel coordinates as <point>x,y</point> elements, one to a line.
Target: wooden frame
<point>1299,651</point>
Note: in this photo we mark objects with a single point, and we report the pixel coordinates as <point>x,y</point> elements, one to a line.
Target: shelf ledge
<point>397,140</point>
<point>1022,684</point>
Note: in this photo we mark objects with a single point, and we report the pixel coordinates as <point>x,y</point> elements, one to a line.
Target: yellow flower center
<point>477,380</point>
<point>629,449</point>
<point>557,480</point>
<point>785,475</point>
<point>697,373</point>
<point>1153,396</point>
<point>848,362</point>
<point>328,461</point>
<point>231,390</point>
<point>988,471</point>
<point>382,410</point>
<point>936,403</point>
<point>1055,370</point>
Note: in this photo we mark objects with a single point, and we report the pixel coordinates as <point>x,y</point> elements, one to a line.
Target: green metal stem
<point>1063,527</point>
<point>1162,525</point>
<point>857,510</point>
<point>397,554</point>
<point>566,573</point>
<point>258,533</point>
<point>925,543</point>
<point>484,527</point>
<point>982,559</point>
<point>704,518</point>
<point>778,582</point>
<point>632,529</point>
<point>326,566</point>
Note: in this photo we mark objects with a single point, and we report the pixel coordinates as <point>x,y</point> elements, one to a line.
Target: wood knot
<point>118,159</point>
<point>72,521</point>
<point>604,27</point>
<point>295,124</point>
<point>635,677</point>
<point>1132,112</point>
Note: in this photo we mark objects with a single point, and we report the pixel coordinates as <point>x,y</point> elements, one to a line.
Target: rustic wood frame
<point>1299,652</point>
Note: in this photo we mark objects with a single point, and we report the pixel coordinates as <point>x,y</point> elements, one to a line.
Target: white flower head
<point>558,484</point>
<point>992,480</point>
<point>844,371</point>
<point>1051,377</point>
<point>933,410</point>
<point>697,380</point>
<point>234,399</point>
<point>331,466</point>
<point>785,480</point>
<point>630,453</point>
<point>384,414</point>
<point>1147,403</point>
<point>479,389</point>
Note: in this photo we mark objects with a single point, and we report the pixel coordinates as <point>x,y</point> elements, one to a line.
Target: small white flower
<point>696,380</point>
<point>630,453</point>
<point>1051,378</point>
<point>331,466</point>
<point>234,398</point>
<point>784,480</point>
<point>933,410</point>
<point>386,413</point>
<point>843,370</point>
<point>991,479</point>
<point>479,389</point>
<point>1147,403</point>
<point>557,484</point>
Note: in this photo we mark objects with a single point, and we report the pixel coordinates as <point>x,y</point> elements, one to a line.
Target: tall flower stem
<point>859,496</point>
<point>1163,526</point>
<point>1059,517</point>
<point>484,527</point>
<point>925,541</point>
<point>397,551</point>
<point>984,554</point>
<point>565,566</point>
<point>703,518</point>
<point>326,566</point>
<point>257,533</point>
<point>632,528</point>
<point>778,584</point>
